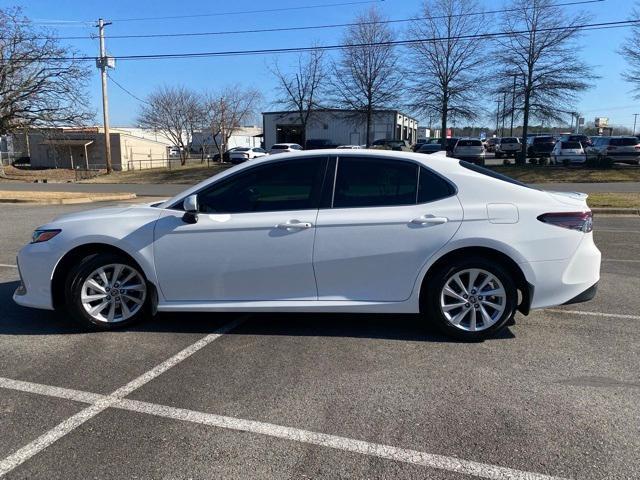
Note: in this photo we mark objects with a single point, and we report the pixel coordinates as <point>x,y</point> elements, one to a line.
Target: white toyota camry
<point>324,231</point>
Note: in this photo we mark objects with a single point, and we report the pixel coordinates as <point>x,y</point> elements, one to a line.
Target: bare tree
<point>228,110</point>
<point>176,112</point>
<point>630,50</point>
<point>41,84</point>
<point>540,52</point>
<point>300,90</point>
<point>446,74</point>
<point>367,76</point>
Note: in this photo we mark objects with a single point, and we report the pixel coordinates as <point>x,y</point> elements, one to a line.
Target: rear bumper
<point>585,296</point>
<point>571,280</point>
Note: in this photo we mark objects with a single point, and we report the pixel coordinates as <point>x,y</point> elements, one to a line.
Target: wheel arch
<point>522,285</point>
<point>73,256</point>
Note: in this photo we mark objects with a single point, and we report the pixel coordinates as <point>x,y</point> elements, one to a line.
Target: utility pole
<point>102,65</point>
<point>635,118</point>
<point>497,117</point>
<point>513,104</point>
<point>504,107</point>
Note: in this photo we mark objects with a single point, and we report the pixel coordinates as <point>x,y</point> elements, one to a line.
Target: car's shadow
<point>17,320</point>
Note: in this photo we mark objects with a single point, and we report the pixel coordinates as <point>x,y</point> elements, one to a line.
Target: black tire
<point>73,287</point>
<point>436,282</point>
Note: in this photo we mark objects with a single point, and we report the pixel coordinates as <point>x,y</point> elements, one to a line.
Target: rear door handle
<point>429,220</point>
<point>294,225</point>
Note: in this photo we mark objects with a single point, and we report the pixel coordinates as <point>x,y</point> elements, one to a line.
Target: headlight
<point>40,236</point>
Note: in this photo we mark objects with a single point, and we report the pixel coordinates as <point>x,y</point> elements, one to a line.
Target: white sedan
<point>285,148</point>
<point>242,154</point>
<point>323,231</point>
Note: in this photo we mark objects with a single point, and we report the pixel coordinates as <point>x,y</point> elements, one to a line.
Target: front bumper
<point>36,263</point>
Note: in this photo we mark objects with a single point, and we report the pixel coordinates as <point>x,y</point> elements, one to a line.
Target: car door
<point>253,239</point>
<point>386,218</point>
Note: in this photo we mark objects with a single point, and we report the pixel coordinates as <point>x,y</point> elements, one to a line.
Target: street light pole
<point>635,118</point>
<point>504,107</point>
<point>497,117</point>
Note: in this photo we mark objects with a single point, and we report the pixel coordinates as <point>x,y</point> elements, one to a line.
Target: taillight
<point>580,221</point>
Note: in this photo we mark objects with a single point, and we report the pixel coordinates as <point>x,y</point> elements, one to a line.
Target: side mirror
<point>190,206</point>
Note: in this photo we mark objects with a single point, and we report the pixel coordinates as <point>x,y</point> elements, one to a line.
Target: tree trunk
<point>443,131</point>
<point>368,129</point>
<point>522,158</point>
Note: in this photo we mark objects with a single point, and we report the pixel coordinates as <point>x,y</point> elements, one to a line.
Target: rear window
<point>242,149</point>
<point>571,145</point>
<point>469,143</point>
<point>509,140</point>
<point>279,147</point>
<point>492,174</point>
<point>543,140</point>
<point>627,142</point>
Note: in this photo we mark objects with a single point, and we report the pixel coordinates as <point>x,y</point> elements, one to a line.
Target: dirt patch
<point>61,197</point>
<point>547,174</point>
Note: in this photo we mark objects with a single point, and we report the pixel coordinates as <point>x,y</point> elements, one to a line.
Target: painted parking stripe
<point>6,265</point>
<point>104,402</point>
<point>624,260</point>
<point>388,452</point>
<point>593,314</point>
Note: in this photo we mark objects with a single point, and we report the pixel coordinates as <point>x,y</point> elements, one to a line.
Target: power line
<point>318,27</point>
<point>126,91</point>
<point>482,36</point>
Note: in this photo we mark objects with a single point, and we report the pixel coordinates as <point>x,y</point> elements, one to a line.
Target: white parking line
<point>6,265</point>
<point>25,453</point>
<point>593,314</point>
<point>620,260</point>
<point>415,457</point>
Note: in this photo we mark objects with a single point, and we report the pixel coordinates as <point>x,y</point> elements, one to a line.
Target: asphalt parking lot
<point>323,396</point>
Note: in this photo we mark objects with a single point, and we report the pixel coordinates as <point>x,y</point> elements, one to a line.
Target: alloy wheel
<point>473,299</point>
<point>113,293</point>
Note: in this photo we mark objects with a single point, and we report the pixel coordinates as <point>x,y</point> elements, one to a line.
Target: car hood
<point>97,213</point>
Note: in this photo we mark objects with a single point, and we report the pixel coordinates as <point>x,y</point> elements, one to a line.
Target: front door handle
<point>429,220</point>
<point>294,225</point>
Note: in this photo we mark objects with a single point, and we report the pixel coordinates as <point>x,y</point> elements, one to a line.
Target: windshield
<point>279,147</point>
<point>469,143</point>
<point>492,174</point>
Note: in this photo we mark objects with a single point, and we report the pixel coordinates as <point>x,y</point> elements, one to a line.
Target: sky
<point>609,97</point>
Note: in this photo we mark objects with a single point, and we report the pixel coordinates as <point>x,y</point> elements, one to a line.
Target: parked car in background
<point>469,149</point>
<point>350,147</point>
<point>285,147</point>
<point>226,157</point>
<point>568,152</point>
<point>577,137</point>
<point>508,147</point>
<point>242,154</point>
<point>433,145</point>
<point>421,141</point>
<point>540,146</point>
<point>398,145</point>
<point>319,144</point>
<point>460,245</point>
<point>616,149</point>
<point>174,151</point>
<point>451,143</point>
<point>490,144</point>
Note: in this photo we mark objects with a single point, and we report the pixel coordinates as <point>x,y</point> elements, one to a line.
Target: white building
<point>340,127</point>
<point>249,136</point>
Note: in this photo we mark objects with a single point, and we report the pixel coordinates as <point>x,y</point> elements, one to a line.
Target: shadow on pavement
<point>17,320</point>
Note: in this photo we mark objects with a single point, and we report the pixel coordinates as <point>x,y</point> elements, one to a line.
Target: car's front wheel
<point>471,299</point>
<point>106,291</point>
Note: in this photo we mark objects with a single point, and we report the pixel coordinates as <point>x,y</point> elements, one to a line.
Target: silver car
<point>617,149</point>
<point>469,149</point>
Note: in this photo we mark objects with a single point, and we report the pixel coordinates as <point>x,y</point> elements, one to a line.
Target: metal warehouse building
<point>342,127</point>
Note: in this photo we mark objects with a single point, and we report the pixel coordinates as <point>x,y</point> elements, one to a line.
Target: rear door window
<point>373,182</point>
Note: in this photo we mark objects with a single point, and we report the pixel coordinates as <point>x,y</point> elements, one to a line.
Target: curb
<point>615,211</point>
<point>71,200</point>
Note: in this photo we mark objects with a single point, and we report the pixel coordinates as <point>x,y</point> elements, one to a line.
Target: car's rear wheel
<point>106,291</point>
<point>471,299</point>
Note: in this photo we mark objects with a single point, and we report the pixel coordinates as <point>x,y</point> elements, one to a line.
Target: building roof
<point>293,112</point>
